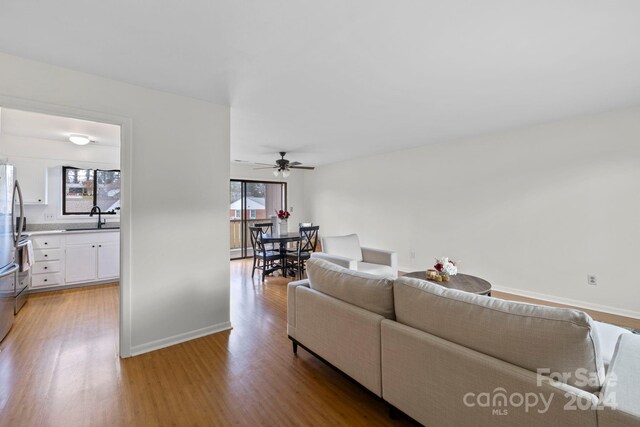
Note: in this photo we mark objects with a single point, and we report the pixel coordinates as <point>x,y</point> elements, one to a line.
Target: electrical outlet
<point>49,217</point>
<point>591,280</point>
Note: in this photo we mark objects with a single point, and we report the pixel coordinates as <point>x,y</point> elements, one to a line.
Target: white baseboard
<point>570,301</point>
<point>180,338</point>
<point>559,300</point>
<point>406,269</point>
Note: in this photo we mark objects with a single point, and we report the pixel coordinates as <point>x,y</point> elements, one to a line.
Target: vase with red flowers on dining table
<point>283,217</point>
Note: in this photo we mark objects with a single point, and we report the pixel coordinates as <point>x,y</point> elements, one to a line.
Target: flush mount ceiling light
<point>79,139</point>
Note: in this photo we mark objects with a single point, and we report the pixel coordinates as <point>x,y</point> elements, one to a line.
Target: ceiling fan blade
<point>264,164</point>
<point>269,167</point>
<point>302,167</point>
<point>294,163</point>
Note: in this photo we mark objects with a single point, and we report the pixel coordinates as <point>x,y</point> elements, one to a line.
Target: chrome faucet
<point>99,211</point>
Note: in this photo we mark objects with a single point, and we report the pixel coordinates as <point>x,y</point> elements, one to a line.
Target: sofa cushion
<point>345,246</point>
<point>363,290</point>
<point>558,340</point>
<point>608,338</point>
<point>377,269</point>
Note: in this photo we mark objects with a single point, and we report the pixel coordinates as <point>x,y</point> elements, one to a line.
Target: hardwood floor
<point>59,366</point>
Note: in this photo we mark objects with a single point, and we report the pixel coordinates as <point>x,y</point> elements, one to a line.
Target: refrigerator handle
<point>14,267</point>
<point>17,233</point>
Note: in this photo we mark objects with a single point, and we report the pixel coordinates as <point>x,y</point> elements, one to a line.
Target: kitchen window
<point>83,189</point>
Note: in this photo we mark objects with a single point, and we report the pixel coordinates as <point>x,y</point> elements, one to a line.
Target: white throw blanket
<point>27,256</point>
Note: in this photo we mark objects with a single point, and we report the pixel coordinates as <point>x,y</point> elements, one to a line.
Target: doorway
<point>68,170</point>
<point>251,202</point>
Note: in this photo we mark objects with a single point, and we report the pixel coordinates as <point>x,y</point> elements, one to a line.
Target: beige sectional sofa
<point>451,358</point>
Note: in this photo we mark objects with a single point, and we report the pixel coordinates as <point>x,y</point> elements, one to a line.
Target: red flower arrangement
<point>283,214</point>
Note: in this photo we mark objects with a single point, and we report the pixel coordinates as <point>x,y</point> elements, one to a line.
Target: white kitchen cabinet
<point>81,265</point>
<point>108,260</point>
<point>32,175</point>
<point>75,259</point>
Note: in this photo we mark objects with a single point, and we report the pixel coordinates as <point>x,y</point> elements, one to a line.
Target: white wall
<point>532,210</point>
<point>175,172</point>
<point>295,188</point>
<point>43,159</point>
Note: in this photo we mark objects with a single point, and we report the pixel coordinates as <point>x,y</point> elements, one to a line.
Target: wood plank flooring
<point>59,366</point>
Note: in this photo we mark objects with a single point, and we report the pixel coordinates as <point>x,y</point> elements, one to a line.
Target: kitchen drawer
<point>47,255</point>
<point>46,242</point>
<point>49,279</point>
<point>91,238</point>
<point>46,267</point>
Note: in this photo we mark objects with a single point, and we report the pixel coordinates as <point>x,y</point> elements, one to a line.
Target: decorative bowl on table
<point>444,268</point>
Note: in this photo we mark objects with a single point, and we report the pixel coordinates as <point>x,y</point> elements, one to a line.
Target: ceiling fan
<point>283,166</point>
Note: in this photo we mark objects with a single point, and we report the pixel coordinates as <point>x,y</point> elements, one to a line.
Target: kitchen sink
<point>93,229</point>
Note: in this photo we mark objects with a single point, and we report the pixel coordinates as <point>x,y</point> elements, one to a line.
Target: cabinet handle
<point>46,268</point>
<point>46,243</point>
<point>93,246</point>
<point>99,246</point>
<point>46,280</point>
<point>45,255</point>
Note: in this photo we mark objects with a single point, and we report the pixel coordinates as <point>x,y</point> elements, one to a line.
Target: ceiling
<point>331,80</point>
<point>55,128</point>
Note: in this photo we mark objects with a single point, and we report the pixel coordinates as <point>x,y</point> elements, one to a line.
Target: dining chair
<point>267,227</point>
<point>292,247</point>
<point>304,247</point>
<point>263,259</point>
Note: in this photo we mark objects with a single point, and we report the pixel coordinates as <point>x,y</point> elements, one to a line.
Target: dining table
<point>281,239</point>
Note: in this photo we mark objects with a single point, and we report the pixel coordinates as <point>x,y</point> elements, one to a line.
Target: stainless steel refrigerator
<point>11,220</point>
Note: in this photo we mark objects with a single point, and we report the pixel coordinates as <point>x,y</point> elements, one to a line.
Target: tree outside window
<point>85,188</point>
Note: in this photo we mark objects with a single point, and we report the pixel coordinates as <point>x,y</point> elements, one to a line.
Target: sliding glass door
<point>251,202</point>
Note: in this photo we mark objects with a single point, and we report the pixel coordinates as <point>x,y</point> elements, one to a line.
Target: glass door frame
<point>244,243</point>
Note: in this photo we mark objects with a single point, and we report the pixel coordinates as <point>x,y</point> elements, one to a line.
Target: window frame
<point>95,189</point>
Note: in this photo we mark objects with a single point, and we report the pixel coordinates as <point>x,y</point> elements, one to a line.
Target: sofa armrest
<point>620,395</point>
<point>378,256</point>
<point>291,304</point>
<point>339,260</point>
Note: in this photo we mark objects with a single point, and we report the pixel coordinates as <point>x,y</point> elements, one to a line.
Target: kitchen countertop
<point>48,232</point>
